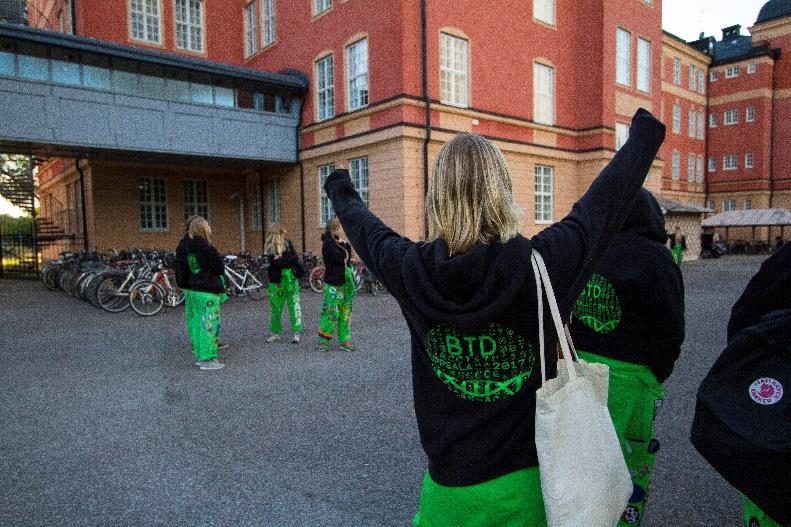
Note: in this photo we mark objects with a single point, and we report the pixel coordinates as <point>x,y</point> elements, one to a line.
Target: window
<point>693,78</point>
<point>358,171</point>
<point>676,118</point>
<point>714,76</point>
<point>692,119</point>
<point>730,162</point>
<point>621,134</point>
<point>712,164</point>
<point>153,204</point>
<point>728,204</point>
<point>712,205</point>
<point>732,71</point>
<point>701,82</point>
<point>544,177</point>
<point>643,65</point>
<point>274,200</point>
<point>748,161</point>
<point>543,94</point>
<point>701,123</point>
<point>748,204</point>
<point>453,70</point>
<point>676,166</point>
<point>189,25</point>
<point>251,29</point>
<point>196,198</point>
<point>319,6</point>
<point>691,160</point>
<point>750,117</point>
<point>699,169</point>
<point>623,57</point>
<point>325,90</point>
<point>268,21</point>
<point>357,61</point>
<point>544,10</point>
<point>145,20</point>
<point>731,117</point>
<point>255,203</point>
<point>325,206</point>
<point>712,120</point>
<point>677,71</point>
<point>751,67</point>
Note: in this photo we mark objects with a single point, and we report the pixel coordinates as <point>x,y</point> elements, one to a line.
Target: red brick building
<point>390,86</point>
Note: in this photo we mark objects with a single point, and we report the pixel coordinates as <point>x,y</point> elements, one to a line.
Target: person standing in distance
<point>283,284</point>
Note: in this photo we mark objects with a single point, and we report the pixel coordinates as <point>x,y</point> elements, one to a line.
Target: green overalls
<point>287,291</point>
<point>678,254</point>
<point>337,310</point>
<point>203,318</point>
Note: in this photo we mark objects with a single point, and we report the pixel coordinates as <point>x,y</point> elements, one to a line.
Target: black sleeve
<point>210,259</point>
<point>666,313</point>
<point>182,267</point>
<point>573,247</point>
<point>333,253</point>
<point>768,290</point>
<point>375,243</point>
<point>287,260</point>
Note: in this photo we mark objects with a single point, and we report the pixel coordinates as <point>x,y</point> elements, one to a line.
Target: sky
<point>687,18</point>
<point>7,208</point>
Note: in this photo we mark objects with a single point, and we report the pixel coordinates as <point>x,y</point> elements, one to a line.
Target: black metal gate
<point>20,256</point>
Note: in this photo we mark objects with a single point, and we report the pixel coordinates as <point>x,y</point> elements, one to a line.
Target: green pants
<point>678,254</point>
<point>755,517</point>
<point>337,309</point>
<point>287,291</point>
<point>202,313</point>
<point>512,500</point>
<point>634,397</point>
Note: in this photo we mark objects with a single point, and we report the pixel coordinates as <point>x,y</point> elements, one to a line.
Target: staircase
<point>50,233</point>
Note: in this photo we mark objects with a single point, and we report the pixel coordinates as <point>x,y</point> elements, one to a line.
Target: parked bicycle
<point>241,281</point>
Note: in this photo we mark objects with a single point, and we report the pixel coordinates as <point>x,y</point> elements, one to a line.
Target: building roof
<point>291,80</point>
<point>749,218</point>
<point>671,205</point>
<point>774,9</point>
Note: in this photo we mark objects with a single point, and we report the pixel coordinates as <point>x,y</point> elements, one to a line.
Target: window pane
<point>152,86</point>
<point>179,90</point>
<point>223,97</point>
<point>33,68</point>
<point>65,72</point>
<point>125,82</point>
<point>201,93</point>
<point>7,65</point>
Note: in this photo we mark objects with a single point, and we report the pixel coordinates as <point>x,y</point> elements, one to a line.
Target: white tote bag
<point>584,478</point>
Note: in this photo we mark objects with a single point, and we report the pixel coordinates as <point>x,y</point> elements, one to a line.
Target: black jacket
<point>632,309</point>
<point>335,256</point>
<point>769,290</point>
<point>288,260</point>
<point>207,276</point>
<point>472,317</point>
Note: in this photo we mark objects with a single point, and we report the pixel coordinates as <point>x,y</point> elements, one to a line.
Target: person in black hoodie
<point>339,289</point>
<point>468,296</point>
<point>199,273</point>
<point>630,316</point>
<point>283,286</point>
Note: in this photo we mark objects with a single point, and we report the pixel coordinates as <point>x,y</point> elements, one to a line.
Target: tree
<point>17,183</point>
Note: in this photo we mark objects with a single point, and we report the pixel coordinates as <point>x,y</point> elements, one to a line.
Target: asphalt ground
<point>105,421</point>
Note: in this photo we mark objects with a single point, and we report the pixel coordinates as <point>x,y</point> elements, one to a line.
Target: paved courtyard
<point>103,421</point>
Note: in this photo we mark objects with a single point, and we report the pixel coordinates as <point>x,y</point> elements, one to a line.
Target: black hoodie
<point>335,257</point>
<point>632,309</point>
<point>212,268</point>
<point>472,317</point>
<point>287,260</point>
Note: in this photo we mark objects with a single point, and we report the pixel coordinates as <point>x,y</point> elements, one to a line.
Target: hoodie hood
<point>646,218</point>
<point>468,289</point>
<point>326,236</point>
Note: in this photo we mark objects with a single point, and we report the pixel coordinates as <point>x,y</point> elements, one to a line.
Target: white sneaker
<point>295,340</point>
<point>274,337</point>
<point>212,365</point>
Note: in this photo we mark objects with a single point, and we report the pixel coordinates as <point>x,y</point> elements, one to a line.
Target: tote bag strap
<point>543,283</point>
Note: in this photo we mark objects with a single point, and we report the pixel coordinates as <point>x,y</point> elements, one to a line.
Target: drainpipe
<point>772,136</point>
<point>82,199</point>
<point>73,17</point>
<point>261,209</point>
<point>427,101</point>
<point>301,174</point>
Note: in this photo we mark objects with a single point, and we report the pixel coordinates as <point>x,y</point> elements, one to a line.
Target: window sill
<point>317,16</point>
<point>542,23</point>
<point>150,43</point>
<point>202,54</point>
<point>544,222</point>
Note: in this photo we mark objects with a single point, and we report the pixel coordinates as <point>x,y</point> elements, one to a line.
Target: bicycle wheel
<point>255,289</point>
<point>92,290</point>
<point>174,297</point>
<point>146,298</point>
<point>359,278</point>
<point>109,295</point>
<point>50,275</point>
<point>317,279</point>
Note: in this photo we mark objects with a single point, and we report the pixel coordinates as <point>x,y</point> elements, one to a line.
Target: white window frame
<point>699,169</point>
<point>621,134</point>
<point>190,35</point>
<point>749,161</point>
<point>358,172</point>
<point>251,44</point>
<point>543,94</point>
<point>692,127</point>
<point>357,74</point>
<point>728,204</point>
<point>701,82</point>
<point>677,71</point>
<point>749,114</point>
<point>730,162</point>
<point>675,170</point>
<point>326,211</point>
<point>325,88</point>
<point>732,71</point>
<point>693,78</point>
<point>192,202</point>
<point>712,120</point>
<point>731,117</point>
<point>544,199</point>
<point>320,6</point>
<point>256,223</point>
<point>274,200</point>
<point>149,11</point>
<point>268,23</point>
<point>153,211</point>
<point>691,162</point>
<point>712,164</point>
<point>701,126</point>
<point>714,76</point>
<point>454,73</point>
<point>676,118</point>
<point>623,57</point>
<point>643,65</point>
<point>748,204</point>
<point>544,11</point>
<point>752,67</point>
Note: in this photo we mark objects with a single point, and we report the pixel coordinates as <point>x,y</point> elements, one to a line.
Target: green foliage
<point>11,226</point>
<point>16,180</point>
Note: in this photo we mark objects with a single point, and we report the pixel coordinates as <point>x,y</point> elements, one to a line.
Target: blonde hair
<point>470,198</point>
<point>275,240</point>
<point>198,227</point>
<point>333,225</point>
